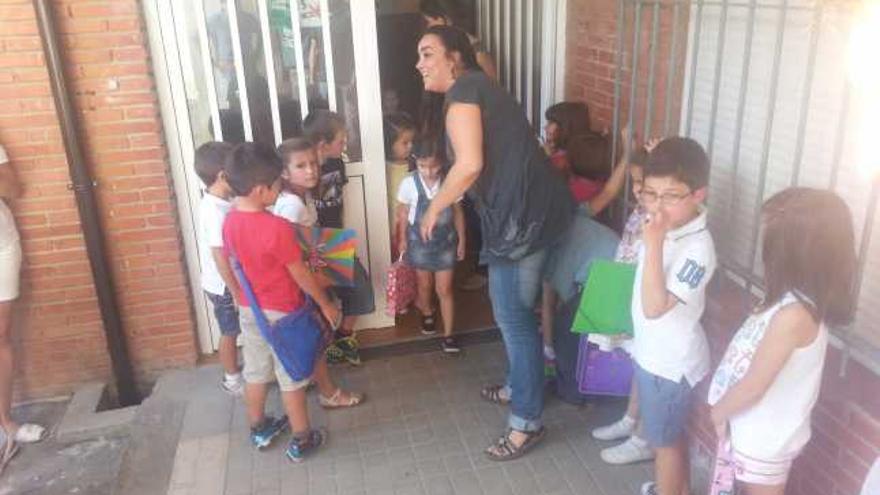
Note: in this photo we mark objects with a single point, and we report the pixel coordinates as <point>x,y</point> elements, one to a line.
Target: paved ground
<point>53,468</point>
<point>421,432</point>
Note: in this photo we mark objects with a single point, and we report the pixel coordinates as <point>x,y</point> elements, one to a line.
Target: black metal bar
<point>87,205</point>
<point>815,31</point>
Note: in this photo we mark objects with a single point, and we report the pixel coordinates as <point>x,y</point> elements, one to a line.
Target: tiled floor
<point>422,431</point>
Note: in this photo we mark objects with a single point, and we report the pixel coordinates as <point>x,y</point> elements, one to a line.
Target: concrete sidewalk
<point>422,431</point>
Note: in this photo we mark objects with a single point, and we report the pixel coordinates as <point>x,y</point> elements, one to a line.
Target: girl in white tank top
<point>765,388</point>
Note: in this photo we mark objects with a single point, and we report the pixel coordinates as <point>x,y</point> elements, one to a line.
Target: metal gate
<point>767,89</point>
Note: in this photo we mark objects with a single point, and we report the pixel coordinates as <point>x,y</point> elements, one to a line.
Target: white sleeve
<point>689,274</point>
<point>406,192</point>
<point>212,224</point>
<point>4,158</point>
<point>291,208</point>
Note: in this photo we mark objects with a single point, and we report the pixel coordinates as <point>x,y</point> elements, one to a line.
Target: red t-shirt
<point>265,245</point>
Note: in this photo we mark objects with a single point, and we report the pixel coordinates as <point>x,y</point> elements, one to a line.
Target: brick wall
<point>846,422</point>
<point>59,335</point>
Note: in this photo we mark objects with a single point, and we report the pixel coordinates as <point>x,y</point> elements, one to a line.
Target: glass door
<point>250,70</point>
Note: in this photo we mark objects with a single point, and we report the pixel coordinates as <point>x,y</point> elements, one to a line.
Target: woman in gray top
<point>524,207</point>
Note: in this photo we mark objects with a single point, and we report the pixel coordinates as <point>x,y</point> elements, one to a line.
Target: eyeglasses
<point>669,199</point>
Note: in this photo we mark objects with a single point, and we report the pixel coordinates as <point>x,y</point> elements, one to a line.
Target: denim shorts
<point>664,406</point>
<point>225,312</point>
<point>358,299</point>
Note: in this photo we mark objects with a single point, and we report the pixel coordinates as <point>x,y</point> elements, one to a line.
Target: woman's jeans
<point>514,288</point>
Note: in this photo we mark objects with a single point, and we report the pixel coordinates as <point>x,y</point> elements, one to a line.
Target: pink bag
<point>400,287</point>
<point>724,475</point>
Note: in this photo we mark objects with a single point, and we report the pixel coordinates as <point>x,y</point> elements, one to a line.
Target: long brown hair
<point>809,248</point>
<point>573,119</point>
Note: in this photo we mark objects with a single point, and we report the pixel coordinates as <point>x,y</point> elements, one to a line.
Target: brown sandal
<point>505,450</point>
<point>492,393</point>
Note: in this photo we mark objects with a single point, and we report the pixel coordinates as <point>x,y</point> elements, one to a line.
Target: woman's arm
<point>464,126</point>
<point>792,327</point>
<point>458,219</point>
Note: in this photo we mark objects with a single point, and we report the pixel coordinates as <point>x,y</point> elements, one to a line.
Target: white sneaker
<point>234,388</point>
<point>649,488</point>
<point>622,428</point>
<point>633,450</point>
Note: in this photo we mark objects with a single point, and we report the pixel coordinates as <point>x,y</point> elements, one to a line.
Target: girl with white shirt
<point>764,389</point>
<point>10,265</point>
<point>434,259</point>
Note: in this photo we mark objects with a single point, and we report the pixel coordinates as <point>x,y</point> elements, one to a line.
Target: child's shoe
<point>621,428</point>
<point>649,488</point>
<point>450,345</point>
<point>299,447</point>
<point>429,325</point>
<point>232,384</point>
<point>263,434</point>
<point>349,349</point>
<point>634,449</point>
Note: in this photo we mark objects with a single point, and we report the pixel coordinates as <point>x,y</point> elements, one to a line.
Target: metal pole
<point>716,83</point>
<point>301,83</point>
<point>649,106</point>
<point>270,69</point>
<point>615,116</point>
<point>740,114</point>
<point>238,59</point>
<point>694,59</point>
<point>208,67</point>
<point>842,117</point>
<point>84,191</point>
<point>671,70</point>
<point>768,130</point>
<point>815,29</point>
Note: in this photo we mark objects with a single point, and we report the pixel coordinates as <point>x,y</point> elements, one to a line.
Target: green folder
<point>605,305</point>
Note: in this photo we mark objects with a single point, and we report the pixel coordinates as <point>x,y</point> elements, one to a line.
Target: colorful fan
<point>329,250</point>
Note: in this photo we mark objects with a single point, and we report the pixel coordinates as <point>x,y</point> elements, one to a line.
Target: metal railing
<point>712,46</point>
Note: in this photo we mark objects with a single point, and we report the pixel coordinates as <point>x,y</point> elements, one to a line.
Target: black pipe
<point>83,188</point>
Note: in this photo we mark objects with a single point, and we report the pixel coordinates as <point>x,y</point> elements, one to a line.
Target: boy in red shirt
<point>273,264</point>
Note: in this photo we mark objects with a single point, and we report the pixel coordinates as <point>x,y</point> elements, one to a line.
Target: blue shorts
<point>357,300</point>
<point>664,407</point>
<point>225,312</point>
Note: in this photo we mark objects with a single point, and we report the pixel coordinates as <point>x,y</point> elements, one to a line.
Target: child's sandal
<point>338,400</point>
<point>492,393</point>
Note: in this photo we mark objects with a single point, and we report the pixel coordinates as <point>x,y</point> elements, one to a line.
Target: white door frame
<point>374,247</point>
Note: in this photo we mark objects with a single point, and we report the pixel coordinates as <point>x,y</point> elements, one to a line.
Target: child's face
<point>402,148</point>
<point>429,169</point>
<point>302,169</point>
<point>335,148</point>
<point>552,132</point>
<point>636,180</point>
<point>673,197</point>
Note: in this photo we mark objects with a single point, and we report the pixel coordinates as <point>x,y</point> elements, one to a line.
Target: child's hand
<point>460,251</point>
<point>332,314</point>
<point>402,245</point>
<point>656,227</point>
<point>652,143</point>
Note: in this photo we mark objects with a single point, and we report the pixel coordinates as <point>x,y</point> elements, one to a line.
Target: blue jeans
<point>514,288</point>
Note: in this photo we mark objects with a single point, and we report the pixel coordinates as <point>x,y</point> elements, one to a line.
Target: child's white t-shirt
<point>778,426</point>
<point>408,194</point>
<point>674,345</point>
<point>292,208</point>
<point>212,212</point>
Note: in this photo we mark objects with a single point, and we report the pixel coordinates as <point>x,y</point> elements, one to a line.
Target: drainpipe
<point>83,188</point>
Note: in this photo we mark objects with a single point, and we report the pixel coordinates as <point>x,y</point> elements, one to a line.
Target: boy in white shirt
<point>218,281</point>
<point>676,261</point>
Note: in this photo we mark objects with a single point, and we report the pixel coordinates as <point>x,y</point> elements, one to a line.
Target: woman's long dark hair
<point>573,119</point>
<point>809,247</point>
<point>433,110</point>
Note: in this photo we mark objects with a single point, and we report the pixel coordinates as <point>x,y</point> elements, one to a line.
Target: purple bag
<point>603,373</point>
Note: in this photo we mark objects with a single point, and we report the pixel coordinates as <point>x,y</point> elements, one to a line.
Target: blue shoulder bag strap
<point>259,315</point>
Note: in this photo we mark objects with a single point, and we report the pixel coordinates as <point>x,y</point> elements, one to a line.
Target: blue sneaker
<point>299,447</point>
<point>262,435</point>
